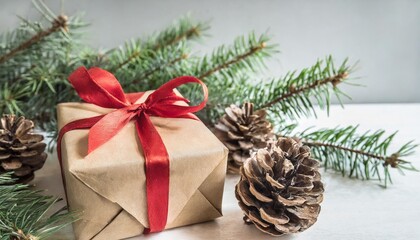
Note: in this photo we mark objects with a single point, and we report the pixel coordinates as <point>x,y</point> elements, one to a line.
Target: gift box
<point>105,160</point>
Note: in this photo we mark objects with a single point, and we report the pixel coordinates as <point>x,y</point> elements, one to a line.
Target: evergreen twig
<point>182,30</point>
<point>21,74</point>
<point>194,31</point>
<point>26,214</point>
<point>235,60</point>
<point>224,69</point>
<point>152,71</point>
<point>130,58</point>
<point>358,155</point>
<point>293,95</point>
<point>227,63</point>
<point>59,23</point>
<point>293,91</point>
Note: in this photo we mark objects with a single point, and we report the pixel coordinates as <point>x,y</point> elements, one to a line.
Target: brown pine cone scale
<point>21,151</point>
<point>243,130</point>
<point>280,189</point>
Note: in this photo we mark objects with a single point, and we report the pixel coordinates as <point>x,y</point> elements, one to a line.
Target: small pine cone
<point>243,130</point>
<point>21,150</point>
<point>280,188</point>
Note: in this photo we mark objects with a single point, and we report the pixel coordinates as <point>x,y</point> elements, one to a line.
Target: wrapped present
<point>136,163</point>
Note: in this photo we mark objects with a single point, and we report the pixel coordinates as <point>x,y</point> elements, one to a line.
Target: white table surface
<point>352,209</point>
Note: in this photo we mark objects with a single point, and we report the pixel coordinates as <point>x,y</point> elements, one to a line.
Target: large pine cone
<point>21,151</point>
<point>280,188</point>
<point>243,130</point>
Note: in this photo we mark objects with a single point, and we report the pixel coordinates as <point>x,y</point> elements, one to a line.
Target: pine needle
<point>26,213</point>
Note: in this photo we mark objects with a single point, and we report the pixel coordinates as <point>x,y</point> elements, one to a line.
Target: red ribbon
<point>101,88</point>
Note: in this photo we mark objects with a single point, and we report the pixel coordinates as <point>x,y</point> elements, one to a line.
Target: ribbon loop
<point>167,89</point>
<point>101,88</point>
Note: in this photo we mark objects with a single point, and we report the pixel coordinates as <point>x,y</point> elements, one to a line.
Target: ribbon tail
<point>108,127</point>
<point>157,173</point>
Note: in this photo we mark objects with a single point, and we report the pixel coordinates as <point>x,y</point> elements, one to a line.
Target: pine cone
<point>21,151</point>
<point>280,188</point>
<point>243,130</point>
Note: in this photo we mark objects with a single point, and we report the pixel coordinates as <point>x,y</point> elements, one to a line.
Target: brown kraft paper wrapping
<point>109,185</point>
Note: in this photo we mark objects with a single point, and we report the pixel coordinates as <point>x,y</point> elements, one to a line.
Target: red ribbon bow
<point>101,88</point>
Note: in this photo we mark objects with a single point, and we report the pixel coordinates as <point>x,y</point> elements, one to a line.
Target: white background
<point>384,35</point>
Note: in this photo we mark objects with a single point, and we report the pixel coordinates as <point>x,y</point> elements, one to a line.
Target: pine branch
<point>235,60</point>
<point>358,155</point>
<point>26,214</point>
<point>32,81</point>
<point>293,94</point>
<point>224,69</point>
<point>59,23</point>
<point>246,54</point>
<point>182,30</point>
<point>293,91</point>
<point>130,58</point>
<point>21,75</point>
<point>288,97</point>
<point>153,68</point>
<point>158,68</point>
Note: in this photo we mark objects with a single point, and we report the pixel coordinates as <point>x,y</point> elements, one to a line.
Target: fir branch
<point>11,98</point>
<point>235,60</point>
<point>59,23</point>
<point>92,58</point>
<point>124,55</point>
<point>225,69</point>
<point>246,54</point>
<point>182,30</point>
<point>26,214</point>
<point>131,57</point>
<point>21,75</point>
<point>293,91</point>
<point>153,68</point>
<point>30,81</point>
<point>358,155</point>
<point>293,94</point>
<point>158,68</point>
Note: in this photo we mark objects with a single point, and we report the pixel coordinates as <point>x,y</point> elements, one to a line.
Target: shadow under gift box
<point>108,186</point>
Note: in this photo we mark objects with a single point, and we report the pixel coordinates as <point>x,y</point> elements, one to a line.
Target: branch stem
<point>235,60</point>
<point>186,34</point>
<point>158,68</point>
<point>158,46</point>
<point>334,80</point>
<point>393,160</point>
<point>19,76</point>
<point>59,23</point>
<point>127,61</point>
